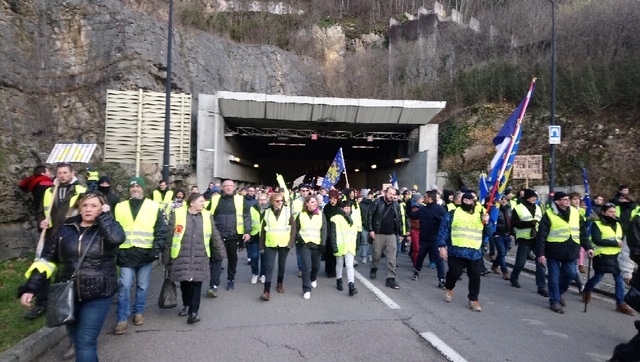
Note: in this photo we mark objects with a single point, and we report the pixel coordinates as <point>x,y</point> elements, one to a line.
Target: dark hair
<point>161,181</point>
<point>606,207</point>
<point>91,194</point>
<point>345,203</point>
<point>64,164</point>
<point>621,187</point>
<point>39,170</point>
<point>432,194</point>
<point>193,197</point>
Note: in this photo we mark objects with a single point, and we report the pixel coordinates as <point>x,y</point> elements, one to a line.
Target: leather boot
<point>625,309</point>
<point>70,352</point>
<point>352,289</point>
<point>280,288</point>
<point>586,297</point>
<point>339,284</point>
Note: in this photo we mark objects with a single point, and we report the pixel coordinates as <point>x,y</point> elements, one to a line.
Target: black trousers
<point>232,257</point>
<point>456,265</point>
<point>310,266</point>
<point>42,296</point>
<point>329,262</point>
<point>191,295</point>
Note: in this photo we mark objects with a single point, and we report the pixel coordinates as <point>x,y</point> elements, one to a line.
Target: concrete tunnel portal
<point>250,137</point>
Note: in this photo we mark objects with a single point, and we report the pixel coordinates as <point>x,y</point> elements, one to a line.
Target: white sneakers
<point>254,279</point>
<point>262,279</point>
<point>314,284</point>
<point>306,295</point>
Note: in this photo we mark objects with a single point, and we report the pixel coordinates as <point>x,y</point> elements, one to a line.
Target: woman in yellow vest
<point>606,235</point>
<point>277,236</point>
<point>310,241</point>
<point>194,234</point>
<point>343,234</point>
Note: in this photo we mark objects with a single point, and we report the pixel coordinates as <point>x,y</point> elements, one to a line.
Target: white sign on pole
<point>554,135</point>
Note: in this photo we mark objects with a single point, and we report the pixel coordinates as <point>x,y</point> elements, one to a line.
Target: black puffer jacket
<point>96,277</point>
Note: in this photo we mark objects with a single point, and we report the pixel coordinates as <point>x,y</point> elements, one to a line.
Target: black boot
<point>339,284</point>
<point>193,318</point>
<point>352,289</point>
<point>372,274</point>
<point>184,311</point>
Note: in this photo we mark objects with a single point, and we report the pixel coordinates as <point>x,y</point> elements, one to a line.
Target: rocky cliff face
<point>60,57</point>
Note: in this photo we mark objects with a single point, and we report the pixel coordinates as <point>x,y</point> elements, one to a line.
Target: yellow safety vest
<point>451,206</point>
<point>47,200</point>
<point>139,232</point>
<point>466,229</point>
<point>404,218</point>
<point>310,228</point>
<point>277,231</point>
<point>561,230</point>
<point>513,204</point>
<point>525,215</point>
<point>356,216</point>
<point>238,202</point>
<point>42,266</point>
<point>345,235</point>
<point>297,206</point>
<point>168,197</point>
<point>608,234</point>
<point>256,221</point>
<point>179,230</point>
<point>93,176</point>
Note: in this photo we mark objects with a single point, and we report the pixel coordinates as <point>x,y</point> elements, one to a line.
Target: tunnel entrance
<point>250,137</point>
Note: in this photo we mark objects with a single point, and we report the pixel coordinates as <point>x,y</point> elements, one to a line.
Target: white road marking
<point>547,332</point>
<point>442,347</point>
<point>383,297</point>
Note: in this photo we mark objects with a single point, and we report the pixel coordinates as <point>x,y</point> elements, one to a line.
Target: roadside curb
<point>34,345</point>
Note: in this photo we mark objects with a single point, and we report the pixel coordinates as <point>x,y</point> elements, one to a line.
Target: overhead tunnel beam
<point>308,134</point>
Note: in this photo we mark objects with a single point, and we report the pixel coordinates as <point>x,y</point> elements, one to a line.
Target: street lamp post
<point>552,151</point>
<point>167,111</point>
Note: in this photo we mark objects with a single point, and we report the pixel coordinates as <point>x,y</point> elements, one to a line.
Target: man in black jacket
<point>430,216</point>
<point>385,228</point>
<point>365,213</point>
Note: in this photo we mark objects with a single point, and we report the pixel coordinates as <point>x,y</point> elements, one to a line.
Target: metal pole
<point>167,111</point>
<point>552,151</point>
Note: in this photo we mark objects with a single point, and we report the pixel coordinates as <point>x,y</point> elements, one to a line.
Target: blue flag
<point>335,170</point>
<point>507,142</point>
<point>587,199</point>
<point>394,180</point>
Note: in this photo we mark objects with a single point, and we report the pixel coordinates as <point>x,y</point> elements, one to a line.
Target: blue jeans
<point>521,260</point>
<point>253,252</point>
<point>561,273</point>
<point>143,276</point>
<point>90,316</point>
<point>502,243</point>
<point>365,250</point>
<point>597,278</point>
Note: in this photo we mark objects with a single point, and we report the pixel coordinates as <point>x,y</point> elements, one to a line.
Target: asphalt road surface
<point>413,323</point>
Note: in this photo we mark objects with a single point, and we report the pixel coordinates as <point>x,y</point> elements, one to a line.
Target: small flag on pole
<point>333,174</point>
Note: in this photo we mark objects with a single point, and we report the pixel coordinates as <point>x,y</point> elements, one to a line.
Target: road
<point>413,323</point>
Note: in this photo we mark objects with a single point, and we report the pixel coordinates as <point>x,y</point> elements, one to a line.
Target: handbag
<point>62,297</point>
<point>168,295</point>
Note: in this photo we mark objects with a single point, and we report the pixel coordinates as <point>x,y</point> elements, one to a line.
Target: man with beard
<point>460,242</point>
<point>143,222</point>
<point>385,229</point>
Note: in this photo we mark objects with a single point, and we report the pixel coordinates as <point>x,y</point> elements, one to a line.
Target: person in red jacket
<point>37,184</point>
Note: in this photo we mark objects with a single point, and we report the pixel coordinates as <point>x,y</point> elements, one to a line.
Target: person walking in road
<point>193,241</point>
<point>253,246</point>
<point>331,209</point>
<point>104,186</point>
<point>460,243</point>
<point>365,213</point>
<point>143,222</point>
<point>606,235</point>
<point>311,226</point>
<point>525,220</point>
<point>343,234</point>
<point>96,235</point>
<point>502,238</point>
<point>37,184</point>
<point>163,196</point>
<point>277,237</point>
<point>233,220</point>
<point>385,229</point>
<point>561,232</point>
<point>430,217</point>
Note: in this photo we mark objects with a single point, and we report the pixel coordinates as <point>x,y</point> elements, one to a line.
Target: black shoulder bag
<point>62,297</point>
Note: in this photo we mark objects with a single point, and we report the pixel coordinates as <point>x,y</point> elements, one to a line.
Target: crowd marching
<point>193,233</point>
